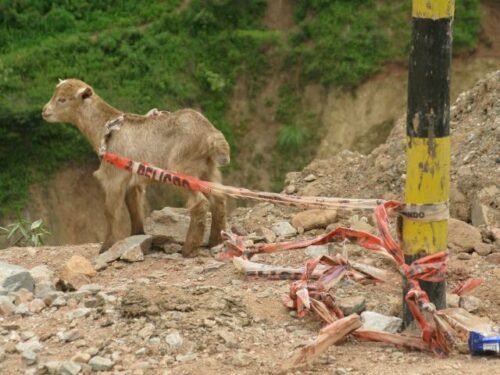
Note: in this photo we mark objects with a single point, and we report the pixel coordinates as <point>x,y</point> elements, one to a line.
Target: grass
<point>150,53</point>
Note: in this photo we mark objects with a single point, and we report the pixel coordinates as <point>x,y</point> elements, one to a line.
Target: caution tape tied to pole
<point>427,212</point>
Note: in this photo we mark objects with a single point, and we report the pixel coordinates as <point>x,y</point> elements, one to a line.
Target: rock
<point>68,336</point>
<point>29,357</point>
<point>483,249</point>
<point>173,248</point>
<point>90,288</point>
<point>33,345</point>
<point>284,229</point>
<point>352,305</point>
<point>78,313</point>
<point>42,273</point>
<point>22,296</point>
<point>464,256</point>
<point>27,335</point>
<point>174,339</point>
<point>290,189</point>
<point>310,178</point>
<point>77,272</point>
<point>36,305</point>
<point>360,223</point>
<point>185,358</point>
<point>479,214</point>
<point>23,309</point>
<point>463,237</point>
<point>6,306</point>
<point>81,357</point>
<point>59,301</point>
<point>43,289</point>
<point>171,225</point>
<point>470,303</point>
<point>52,367</point>
<point>14,277</point>
<point>380,322</point>
<point>101,364</point>
<point>69,368</point>
<point>452,299</point>
<point>492,258</point>
<point>267,233</point>
<point>228,338</point>
<point>132,248</point>
<point>147,331</point>
<point>311,219</point>
<point>314,251</point>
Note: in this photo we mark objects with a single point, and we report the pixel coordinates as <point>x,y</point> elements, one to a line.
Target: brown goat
<point>182,141</point>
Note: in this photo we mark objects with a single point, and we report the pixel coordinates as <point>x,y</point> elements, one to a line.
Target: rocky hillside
<point>475,168</point>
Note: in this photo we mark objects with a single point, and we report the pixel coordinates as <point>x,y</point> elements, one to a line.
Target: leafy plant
<point>24,233</point>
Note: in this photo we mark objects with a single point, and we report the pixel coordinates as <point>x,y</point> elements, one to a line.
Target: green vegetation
<point>170,54</point>
<point>137,55</point>
<point>24,233</point>
<point>344,41</point>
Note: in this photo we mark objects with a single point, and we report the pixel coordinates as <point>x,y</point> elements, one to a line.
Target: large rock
<point>135,247</point>
<point>463,237</point>
<point>13,277</point>
<point>130,249</point>
<point>311,219</point>
<point>379,322</point>
<point>171,225</point>
<point>41,274</point>
<point>77,272</point>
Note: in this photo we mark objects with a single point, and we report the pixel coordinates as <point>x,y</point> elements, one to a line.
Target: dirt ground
<point>228,324</point>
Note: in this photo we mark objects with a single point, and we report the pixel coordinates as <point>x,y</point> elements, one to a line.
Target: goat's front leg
<point>135,204</point>
<point>114,199</point>
<point>198,208</point>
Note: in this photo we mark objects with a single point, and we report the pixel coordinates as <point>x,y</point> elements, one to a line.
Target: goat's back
<point>183,140</point>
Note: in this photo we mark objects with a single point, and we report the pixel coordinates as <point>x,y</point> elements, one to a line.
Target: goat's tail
<point>218,149</point>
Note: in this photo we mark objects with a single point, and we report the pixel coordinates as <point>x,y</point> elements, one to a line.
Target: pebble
<point>174,339</point>
<point>98,363</point>
<point>68,336</point>
<point>185,357</point>
<point>464,256</point>
<point>69,368</point>
<point>81,357</point>
<point>59,302</point>
<point>310,178</point>
<point>78,313</point>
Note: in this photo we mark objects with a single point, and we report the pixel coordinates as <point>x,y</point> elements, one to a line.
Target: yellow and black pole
<point>428,134</point>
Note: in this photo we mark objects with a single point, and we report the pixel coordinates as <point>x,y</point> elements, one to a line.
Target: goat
<point>183,141</point>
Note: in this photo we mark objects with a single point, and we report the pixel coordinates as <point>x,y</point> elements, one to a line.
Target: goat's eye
<point>61,100</point>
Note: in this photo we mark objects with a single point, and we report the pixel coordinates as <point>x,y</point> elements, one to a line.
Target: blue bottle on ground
<point>479,344</point>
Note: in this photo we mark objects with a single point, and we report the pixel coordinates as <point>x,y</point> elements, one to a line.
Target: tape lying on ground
<point>428,212</point>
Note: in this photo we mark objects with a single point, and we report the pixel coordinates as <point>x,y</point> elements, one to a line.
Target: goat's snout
<point>46,111</point>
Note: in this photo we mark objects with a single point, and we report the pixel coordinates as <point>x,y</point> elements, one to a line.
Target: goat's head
<point>69,100</point>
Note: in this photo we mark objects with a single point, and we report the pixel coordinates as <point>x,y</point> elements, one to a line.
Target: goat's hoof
<point>189,252</point>
<point>104,247</point>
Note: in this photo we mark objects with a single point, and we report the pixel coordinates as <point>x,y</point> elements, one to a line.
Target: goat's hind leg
<point>198,208</point>
<point>135,205</point>
<point>218,210</point>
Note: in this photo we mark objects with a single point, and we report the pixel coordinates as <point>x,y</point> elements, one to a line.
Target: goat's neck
<point>93,118</point>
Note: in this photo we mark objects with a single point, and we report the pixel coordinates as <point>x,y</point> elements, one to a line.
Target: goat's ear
<point>84,93</point>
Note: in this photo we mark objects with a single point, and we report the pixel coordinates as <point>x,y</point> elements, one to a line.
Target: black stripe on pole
<point>429,78</point>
